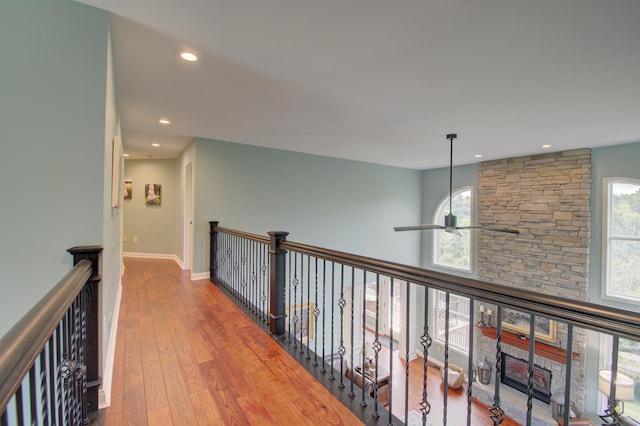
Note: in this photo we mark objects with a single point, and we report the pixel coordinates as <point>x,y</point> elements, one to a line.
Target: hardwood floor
<point>187,355</point>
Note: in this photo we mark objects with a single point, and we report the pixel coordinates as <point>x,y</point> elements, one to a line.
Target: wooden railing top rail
<point>22,344</point>
<point>592,316</point>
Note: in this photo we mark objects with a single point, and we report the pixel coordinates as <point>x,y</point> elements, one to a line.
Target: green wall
<point>155,227</point>
<point>52,133</point>
<point>340,204</point>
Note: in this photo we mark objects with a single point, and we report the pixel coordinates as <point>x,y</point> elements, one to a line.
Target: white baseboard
<point>199,276</point>
<point>104,393</point>
<point>154,256</point>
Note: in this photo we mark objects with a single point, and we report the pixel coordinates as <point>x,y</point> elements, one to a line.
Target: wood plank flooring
<point>187,355</point>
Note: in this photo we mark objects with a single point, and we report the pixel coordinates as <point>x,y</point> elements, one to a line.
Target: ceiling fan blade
<point>452,230</point>
<point>482,228</point>
<point>417,227</point>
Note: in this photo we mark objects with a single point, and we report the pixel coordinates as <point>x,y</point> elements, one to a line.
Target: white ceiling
<point>377,80</point>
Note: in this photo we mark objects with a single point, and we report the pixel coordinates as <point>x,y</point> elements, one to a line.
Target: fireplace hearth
<point>515,373</point>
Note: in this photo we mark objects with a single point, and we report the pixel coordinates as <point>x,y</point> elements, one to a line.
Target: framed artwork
<point>304,324</point>
<point>117,165</point>
<point>128,185</point>
<point>519,323</point>
<point>152,193</point>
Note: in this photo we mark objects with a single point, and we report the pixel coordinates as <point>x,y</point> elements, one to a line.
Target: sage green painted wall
<point>52,134</point>
<point>340,204</point>
<point>154,226</point>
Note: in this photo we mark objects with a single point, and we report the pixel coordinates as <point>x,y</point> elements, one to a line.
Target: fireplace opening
<point>515,373</point>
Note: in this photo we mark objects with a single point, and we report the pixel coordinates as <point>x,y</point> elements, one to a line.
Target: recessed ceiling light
<point>164,121</point>
<point>125,155</point>
<point>188,56</point>
<point>155,144</point>
<point>546,146</point>
<point>478,156</point>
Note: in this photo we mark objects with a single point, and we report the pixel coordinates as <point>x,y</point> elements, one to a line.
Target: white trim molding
<point>104,393</point>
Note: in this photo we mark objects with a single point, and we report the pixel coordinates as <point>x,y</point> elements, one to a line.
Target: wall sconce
<point>624,391</point>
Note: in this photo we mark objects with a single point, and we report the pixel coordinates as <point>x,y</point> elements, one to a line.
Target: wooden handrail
<point>592,316</point>
<point>20,347</point>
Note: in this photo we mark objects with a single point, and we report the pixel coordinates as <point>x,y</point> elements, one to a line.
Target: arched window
<point>452,250</point>
<point>621,238</point>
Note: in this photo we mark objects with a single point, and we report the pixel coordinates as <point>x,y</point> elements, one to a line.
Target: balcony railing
<point>49,371</point>
<point>314,301</point>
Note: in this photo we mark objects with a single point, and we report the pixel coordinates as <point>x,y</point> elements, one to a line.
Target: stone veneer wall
<point>546,197</point>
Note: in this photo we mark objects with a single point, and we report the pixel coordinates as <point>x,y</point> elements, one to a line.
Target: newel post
<point>213,250</point>
<point>277,267</point>
<point>92,356</point>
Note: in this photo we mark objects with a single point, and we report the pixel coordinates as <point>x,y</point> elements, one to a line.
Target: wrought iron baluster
<point>496,412</point>
<point>289,286</point>
<point>376,349</point>
<point>324,313</point>
<point>352,394</point>
<point>470,360</point>
<point>391,309</point>
<point>332,375</point>
<point>295,283</point>
<point>567,378</point>
<point>341,349</point>
<point>425,341</point>
<point>532,338</point>
<point>19,407</point>
<point>316,313</point>
<point>33,401</point>
<point>363,401</point>
<point>406,356</point>
<point>302,345</point>
<point>309,313</point>
<point>445,397</point>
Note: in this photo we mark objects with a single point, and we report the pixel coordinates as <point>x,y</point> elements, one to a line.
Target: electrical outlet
<point>125,238</point>
<point>135,239</point>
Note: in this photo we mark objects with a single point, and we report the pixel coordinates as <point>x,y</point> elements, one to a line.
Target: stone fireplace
<point>546,197</point>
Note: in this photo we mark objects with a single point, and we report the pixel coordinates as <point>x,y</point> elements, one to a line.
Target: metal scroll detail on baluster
<point>425,341</point>
<point>497,413</point>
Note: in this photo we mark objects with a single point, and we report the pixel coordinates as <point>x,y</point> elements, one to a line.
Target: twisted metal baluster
<point>376,349</point>
<point>265,294</point>
<point>496,412</point>
<point>44,399</point>
<point>446,357</point>
<point>363,402</point>
<point>332,376</point>
<point>309,313</point>
<point>341,349</point>
<point>288,309</point>
<point>470,365</point>
<point>295,283</point>
<point>425,341</point>
<point>532,338</point>
<point>316,313</point>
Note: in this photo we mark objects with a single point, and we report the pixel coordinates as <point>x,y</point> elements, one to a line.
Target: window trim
<point>607,237</point>
<point>443,204</point>
<point>434,302</point>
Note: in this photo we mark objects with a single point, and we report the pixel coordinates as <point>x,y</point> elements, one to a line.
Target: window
<point>458,320</point>
<point>622,238</point>
<point>452,250</point>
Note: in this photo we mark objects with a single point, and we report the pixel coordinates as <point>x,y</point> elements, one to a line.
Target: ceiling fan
<point>450,220</point>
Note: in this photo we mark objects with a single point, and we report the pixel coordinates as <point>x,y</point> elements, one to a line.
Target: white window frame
<point>456,322</point>
<point>608,237</point>
<point>443,209</point>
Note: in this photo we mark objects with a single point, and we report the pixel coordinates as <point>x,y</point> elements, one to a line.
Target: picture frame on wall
<point>153,194</point>
<point>128,187</point>
<point>520,323</point>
